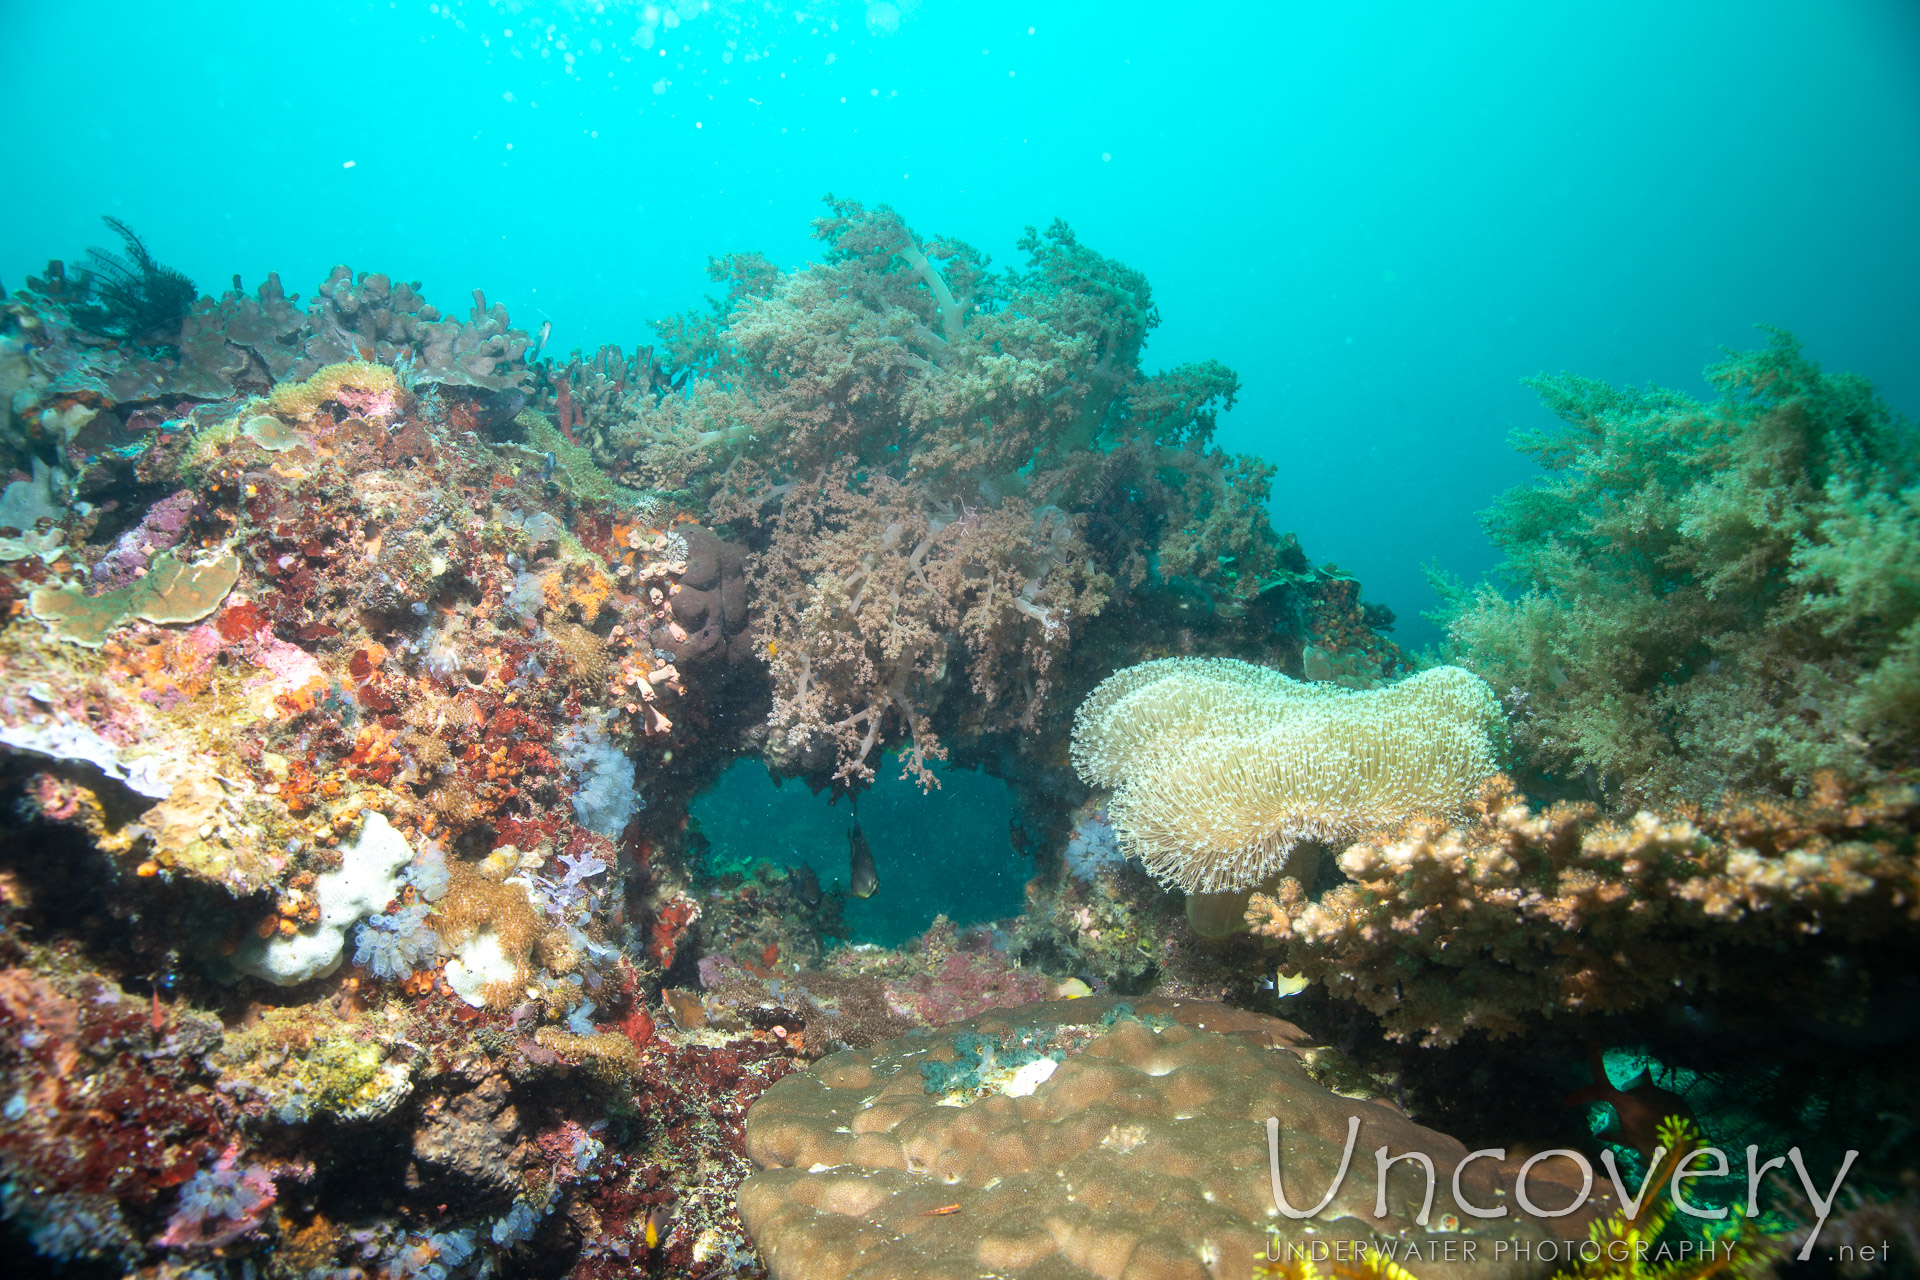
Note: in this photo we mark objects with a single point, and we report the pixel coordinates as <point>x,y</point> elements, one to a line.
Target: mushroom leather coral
<point>1219,768</point>
<point>1142,1155</point>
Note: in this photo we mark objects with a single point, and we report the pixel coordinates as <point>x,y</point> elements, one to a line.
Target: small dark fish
<point>862,880</point>
<point>806,885</point>
<point>1638,1109</point>
<point>491,413</point>
<point>547,463</point>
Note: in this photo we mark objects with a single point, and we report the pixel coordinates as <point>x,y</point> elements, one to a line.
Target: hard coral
<point>356,385</point>
<point>1520,914</point>
<point>173,591</point>
<point>1085,1138</point>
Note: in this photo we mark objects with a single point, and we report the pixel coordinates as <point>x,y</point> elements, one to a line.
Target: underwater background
<point>715,638</point>
<point>1381,216</point>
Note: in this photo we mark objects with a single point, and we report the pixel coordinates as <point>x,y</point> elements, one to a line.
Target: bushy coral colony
<point>361,664</point>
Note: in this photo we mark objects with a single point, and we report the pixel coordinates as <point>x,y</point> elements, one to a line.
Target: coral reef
<point>359,667</point>
<point>169,591</point>
<point>949,473</point>
<point>365,880</point>
<point>1521,914</point>
<point>1220,768</point>
<point>1715,595</point>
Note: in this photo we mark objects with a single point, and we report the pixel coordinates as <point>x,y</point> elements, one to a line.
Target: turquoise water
<point>1381,215</point>
<point>943,852</point>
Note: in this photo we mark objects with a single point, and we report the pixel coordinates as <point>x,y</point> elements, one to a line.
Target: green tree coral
<point>1712,595</point>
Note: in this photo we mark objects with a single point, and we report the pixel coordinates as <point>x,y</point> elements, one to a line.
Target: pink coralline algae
<point>161,530</point>
<point>289,668</point>
<point>964,985</point>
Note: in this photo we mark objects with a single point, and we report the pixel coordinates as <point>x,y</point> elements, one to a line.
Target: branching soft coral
<point>1715,595</point>
<point>949,468</point>
<point>875,603</point>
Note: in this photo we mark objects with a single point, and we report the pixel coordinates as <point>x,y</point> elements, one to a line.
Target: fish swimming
<point>806,885</point>
<point>1285,984</point>
<point>659,1224</point>
<point>862,880</point>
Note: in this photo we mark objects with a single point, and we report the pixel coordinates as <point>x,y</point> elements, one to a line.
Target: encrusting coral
<point>1220,768</point>
<point>359,384</point>
<point>1720,595</point>
<point>170,591</point>
<point>1520,914</point>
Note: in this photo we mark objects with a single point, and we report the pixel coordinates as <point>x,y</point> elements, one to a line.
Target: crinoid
<point>132,298</point>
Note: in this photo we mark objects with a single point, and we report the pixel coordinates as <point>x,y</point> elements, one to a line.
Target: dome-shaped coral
<point>1219,768</point>
<point>1080,1139</point>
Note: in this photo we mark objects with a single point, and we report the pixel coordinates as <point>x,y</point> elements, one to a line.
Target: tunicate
<point>419,608</point>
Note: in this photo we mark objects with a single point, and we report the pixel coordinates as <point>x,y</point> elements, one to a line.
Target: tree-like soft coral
<point>1714,595</point>
<point>949,469</point>
<point>885,604</point>
<point>1522,913</point>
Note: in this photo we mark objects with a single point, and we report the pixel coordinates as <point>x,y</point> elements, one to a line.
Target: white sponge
<point>368,879</point>
<point>478,963</point>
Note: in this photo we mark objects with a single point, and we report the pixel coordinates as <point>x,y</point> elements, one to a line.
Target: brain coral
<point>1219,768</point>
<point>1089,1138</point>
